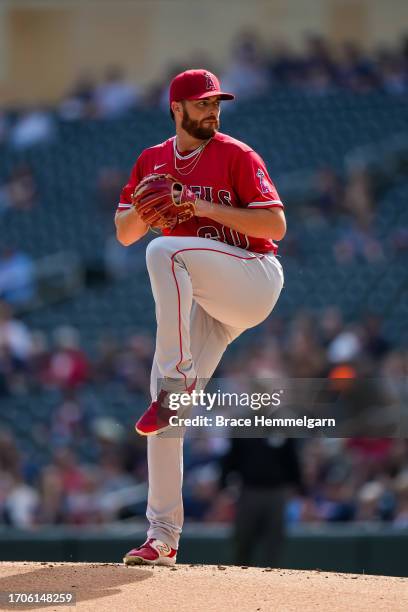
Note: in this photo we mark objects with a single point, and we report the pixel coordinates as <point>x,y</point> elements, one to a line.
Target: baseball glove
<point>163,202</point>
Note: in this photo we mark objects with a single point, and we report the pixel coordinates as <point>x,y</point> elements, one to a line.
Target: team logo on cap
<point>209,83</point>
<point>263,183</point>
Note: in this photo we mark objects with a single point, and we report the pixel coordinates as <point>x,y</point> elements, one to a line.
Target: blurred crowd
<point>18,190</point>
<point>306,347</point>
<point>90,466</point>
<point>319,68</point>
<point>339,479</point>
<point>255,68</point>
<point>348,204</point>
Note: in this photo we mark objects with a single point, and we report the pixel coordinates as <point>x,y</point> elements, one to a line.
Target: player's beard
<point>197,129</point>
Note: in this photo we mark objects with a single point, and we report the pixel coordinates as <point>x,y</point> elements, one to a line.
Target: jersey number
<point>229,235</point>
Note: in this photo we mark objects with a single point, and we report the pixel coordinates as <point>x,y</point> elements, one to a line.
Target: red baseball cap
<point>196,85</point>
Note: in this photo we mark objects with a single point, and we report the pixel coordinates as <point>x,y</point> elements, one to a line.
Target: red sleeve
<point>254,186</point>
<point>125,199</point>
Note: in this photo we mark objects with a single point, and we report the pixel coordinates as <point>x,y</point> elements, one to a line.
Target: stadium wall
<point>46,44</point>
<point>341,548</point>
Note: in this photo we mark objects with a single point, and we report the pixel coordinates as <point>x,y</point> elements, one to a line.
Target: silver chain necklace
<point>194,156</point>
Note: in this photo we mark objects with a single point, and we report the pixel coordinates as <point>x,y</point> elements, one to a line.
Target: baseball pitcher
<point>213,272</point>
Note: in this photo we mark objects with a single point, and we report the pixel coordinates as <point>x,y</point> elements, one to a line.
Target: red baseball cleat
<point>152,552</point>
<point>157,416</point>
<point>155,419</point>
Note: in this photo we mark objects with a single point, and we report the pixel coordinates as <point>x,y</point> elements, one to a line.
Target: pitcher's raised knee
<point>157,250</point>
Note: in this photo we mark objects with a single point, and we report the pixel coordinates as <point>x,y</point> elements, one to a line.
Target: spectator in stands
<point>105,363</point>
<point>399,241</point>
<point>21,188</point>
<point>83,504</point>
<point>305,357</point>
<point>318,55</point>
<point>10,458</point>
<point>354,71</point>
<point>18,500</point>
<point>346,346</point>
<point>4,200</point>
<point>265,361</point>
<point>109,183</point>
<point>68,420</point>
<point>12,377</point>
<point>370,457</point>
<point>318,81</point>
<point>17,277</point>
<point>392,72</point>
<point>79,103</point>
<point>4,372</point>
<point>51,489</point>
<point>394,372</point>
<point>330,324</point>
<point>375,345</point>
<point>327,481</point>
<point>202,500</point>
<point>334,500</point>
<point>40,360</point>
<point>121,262</point>
<point>116,96</point>
<point>21,506</point>
<point>69,367</point>
<point>369,499</point>
<point>66,462</point>
<point>4,126</point>
<point>15,338</point>
<point>358,241</point>
<point>401,505</point>
<point>33,127</point>
<point>247,73</point>
<point>283,64</point>
<point>327,193</point>
<point>113,482</point>
<point>358,199</point>
<point>133,364</point>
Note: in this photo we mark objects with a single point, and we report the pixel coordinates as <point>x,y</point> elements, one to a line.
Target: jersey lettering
<point>208,194</point>
<point>197,190</point>
<point>224,197</point>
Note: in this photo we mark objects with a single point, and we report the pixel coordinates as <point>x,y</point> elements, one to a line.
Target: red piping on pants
<point>178,294</point>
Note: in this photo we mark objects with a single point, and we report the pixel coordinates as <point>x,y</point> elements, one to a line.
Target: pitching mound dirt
<point>202,588</point>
